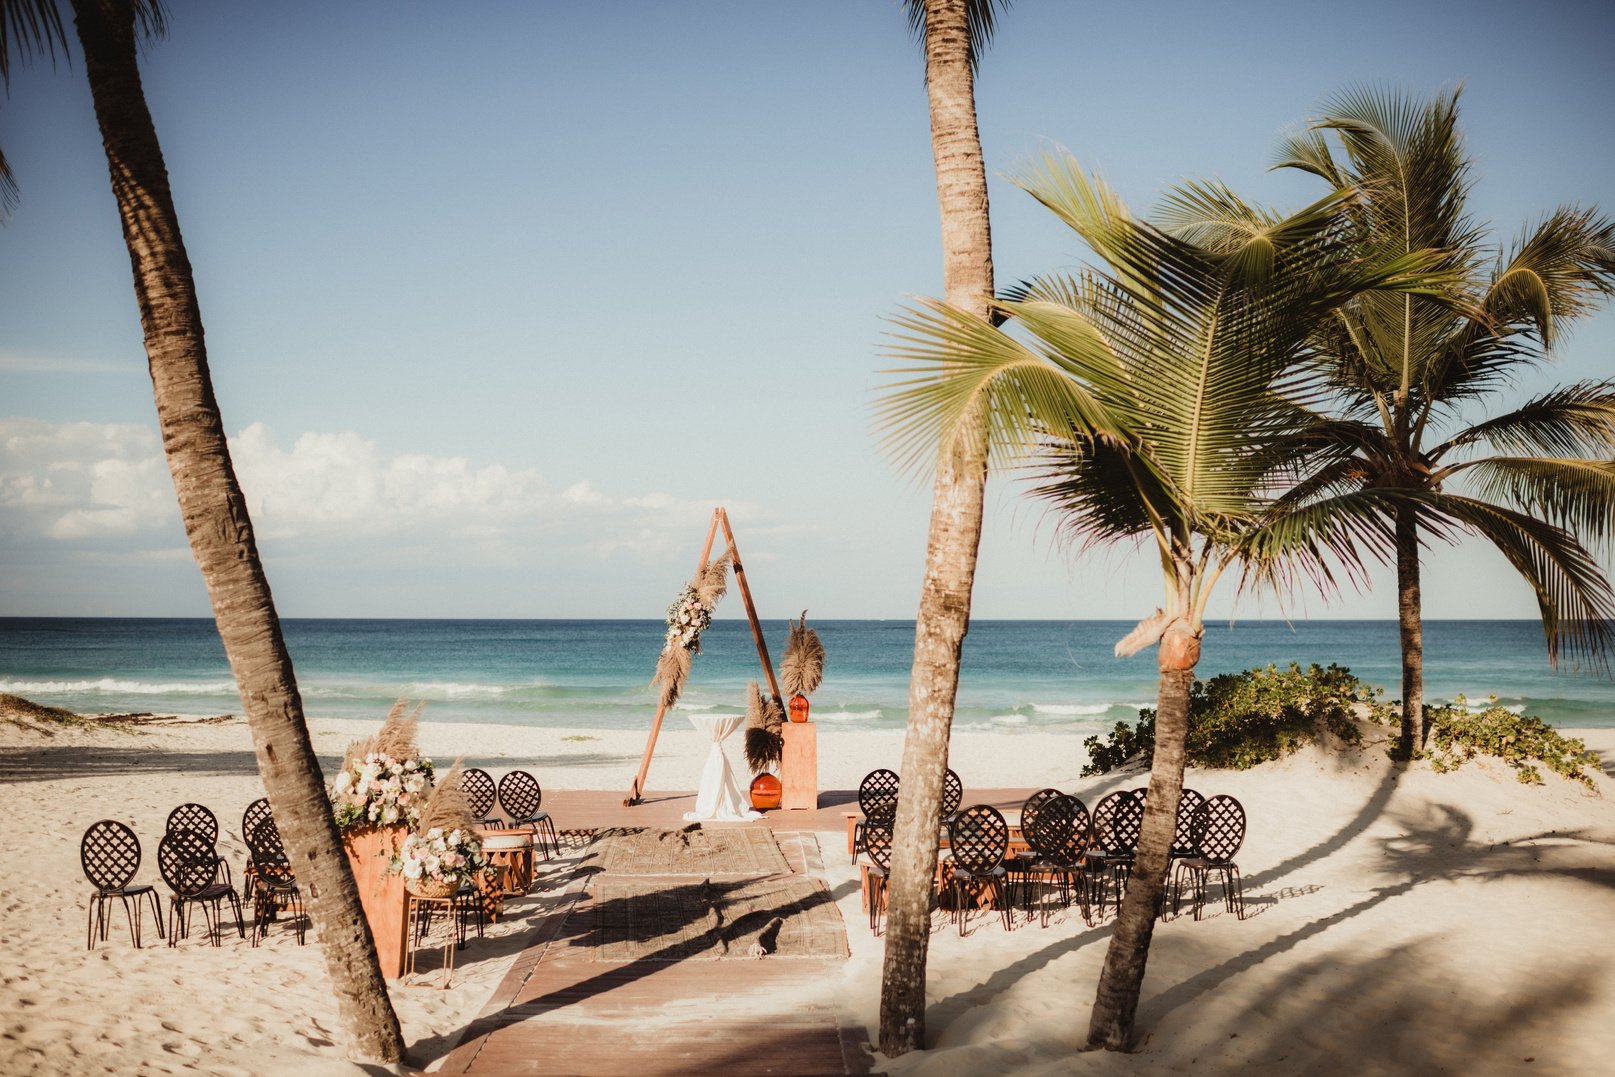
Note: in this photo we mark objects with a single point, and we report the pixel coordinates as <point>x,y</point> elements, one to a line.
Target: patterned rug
<point>639,920</point>
<point>692,851</point>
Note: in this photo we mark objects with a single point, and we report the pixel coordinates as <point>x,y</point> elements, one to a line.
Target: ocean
<point>1054,676</point>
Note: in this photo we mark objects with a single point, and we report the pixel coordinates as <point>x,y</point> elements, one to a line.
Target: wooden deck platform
<point>558,1011</point>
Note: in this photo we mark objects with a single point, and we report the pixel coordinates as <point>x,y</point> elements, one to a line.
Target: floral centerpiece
<point>385,780</point>
<point>439,862</point>
<point>443,852</point>
<point>689,616</point>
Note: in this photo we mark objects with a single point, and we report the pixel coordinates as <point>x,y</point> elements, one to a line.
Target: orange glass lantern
<point>799,708</point>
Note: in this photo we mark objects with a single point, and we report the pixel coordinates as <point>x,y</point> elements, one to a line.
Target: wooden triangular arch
<point>720,518</point>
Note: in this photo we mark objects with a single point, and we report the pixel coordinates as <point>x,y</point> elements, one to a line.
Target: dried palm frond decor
<point>764,741</point>
<point>802,668</point>
<point>689,616</point>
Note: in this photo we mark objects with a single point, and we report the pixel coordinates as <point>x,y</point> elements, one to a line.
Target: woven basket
<point>430,888</point>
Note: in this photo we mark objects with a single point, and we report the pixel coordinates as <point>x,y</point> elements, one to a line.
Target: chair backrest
<point>978,837</point>
<point>953,793</point>
<point>256,813</point>
<point>1029,810</point>
<point>1059,831</point>
<point>480,793</point>
<point>187,861</point>
<point>109,853</point>
<point>878,844</point>
<point>269,859</point>
<point>1219,828</point>
<point>1183,837</point>
<point>519,794</point>
<point>195,817</point>
<point>1118,819</point>
<point>877,795</point>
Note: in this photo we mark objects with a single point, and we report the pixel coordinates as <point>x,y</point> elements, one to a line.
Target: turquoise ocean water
<point>1018,675</point>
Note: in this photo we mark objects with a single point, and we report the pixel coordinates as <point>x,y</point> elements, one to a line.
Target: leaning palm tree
<point>1413,375</point>
<point>211,503</point>
<point>1159,400</point>
<point>954,33</point>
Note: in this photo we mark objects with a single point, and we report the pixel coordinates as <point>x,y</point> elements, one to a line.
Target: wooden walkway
<point>558,1011</point>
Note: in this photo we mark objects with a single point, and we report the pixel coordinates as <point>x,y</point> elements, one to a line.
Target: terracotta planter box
<point>369,851</point>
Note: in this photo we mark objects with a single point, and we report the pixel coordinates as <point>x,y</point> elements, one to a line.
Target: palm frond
<point>1571,420</point>
<point>1573,595</point>
<point>1572,493</point>
<point>29,28</point>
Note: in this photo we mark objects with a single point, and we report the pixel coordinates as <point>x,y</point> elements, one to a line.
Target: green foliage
<point>1238,720</point>
<point>1458,734</point>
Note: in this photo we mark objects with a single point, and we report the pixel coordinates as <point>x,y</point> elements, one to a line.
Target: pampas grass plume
<point>447,807</point>
<point>802,669</point>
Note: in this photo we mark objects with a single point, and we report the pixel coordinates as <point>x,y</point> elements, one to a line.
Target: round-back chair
<point>1183,837</point>
<point>978,839</point>
<point>1059,838</point>
<point>109,853</point>
<point>188,863</point>
<point>877,799</point>
<point>480,793</point>
<point>520,796</point>
<point>878,845</point>
<point>274,886</point>
<point>953,794</point>
<point>200,818</point>
<point>1218,833</point>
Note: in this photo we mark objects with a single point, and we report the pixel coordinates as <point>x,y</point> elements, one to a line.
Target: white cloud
<point>105,487</point>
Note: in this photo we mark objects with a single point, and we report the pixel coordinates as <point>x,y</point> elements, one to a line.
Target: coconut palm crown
<point>1419,410</point>
<point>1163,398</point>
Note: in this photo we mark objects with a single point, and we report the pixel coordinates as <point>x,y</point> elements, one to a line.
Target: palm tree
<point>1160,401</point>
<point>954,33</point>
<point>211,504</point>
<point>1407,367</point>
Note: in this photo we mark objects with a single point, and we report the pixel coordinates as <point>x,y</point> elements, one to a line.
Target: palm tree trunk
<point>1116,1003</point>
<point>1411,624</point>
<point>220,533</point>
<point>955,536</point>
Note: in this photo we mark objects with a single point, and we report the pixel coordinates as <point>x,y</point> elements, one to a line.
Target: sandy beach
<point>1400,923</point>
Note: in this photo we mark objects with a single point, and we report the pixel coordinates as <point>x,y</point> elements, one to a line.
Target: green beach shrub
<point>1458,734</point>
<point>1238,720</point>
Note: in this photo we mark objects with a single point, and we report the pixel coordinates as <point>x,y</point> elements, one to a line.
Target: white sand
<point>1417,924</point>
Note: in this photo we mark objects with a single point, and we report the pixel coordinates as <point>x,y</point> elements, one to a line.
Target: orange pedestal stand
<point>382,895</point>
<point>799,766</point>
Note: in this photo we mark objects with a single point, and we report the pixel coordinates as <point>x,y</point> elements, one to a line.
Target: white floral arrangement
<point>453,857</point>
<point>379,790</point>
<point>687,618</point>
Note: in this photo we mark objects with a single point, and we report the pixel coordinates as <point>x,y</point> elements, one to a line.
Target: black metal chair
<point>1059,839</point>
<point>189,865</point>
<point>878,847</point>
<point>1118,819</point>
<point>953,794</point>
<point>979,837</point>
<point>1218,832</point>
<point>200,818</point>
<point>109,853</point>
<point>274,887</point>
<point>520,797</point>
<point>1020,865</point>
<point>877,799</point>
<point>481,794</point>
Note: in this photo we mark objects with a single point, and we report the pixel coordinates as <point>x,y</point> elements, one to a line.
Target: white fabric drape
<point>720,798</point>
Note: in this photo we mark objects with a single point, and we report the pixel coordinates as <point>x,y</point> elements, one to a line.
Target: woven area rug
<point>647,851</point>
<point>639,920</point>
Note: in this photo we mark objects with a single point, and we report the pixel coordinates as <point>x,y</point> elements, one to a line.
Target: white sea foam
<point>113,686</point>
<point>1070,709</point>
<point>456,690</point>
<point>845,716</point>
<point>1008,719</point>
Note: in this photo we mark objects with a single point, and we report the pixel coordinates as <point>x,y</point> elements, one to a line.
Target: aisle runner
<point>636,920</point>
<point>691,851</point>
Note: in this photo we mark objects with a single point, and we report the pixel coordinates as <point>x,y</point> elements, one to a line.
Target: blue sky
<point>501,299</point>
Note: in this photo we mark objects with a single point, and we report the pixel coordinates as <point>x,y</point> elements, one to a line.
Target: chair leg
<point>89,938</point>
<point>235,903</point>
